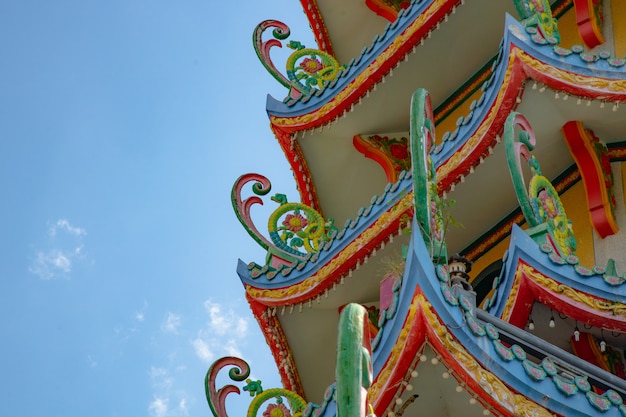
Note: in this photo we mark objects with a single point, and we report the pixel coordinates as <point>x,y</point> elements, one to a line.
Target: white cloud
<point>225,322</point>
<point>64,225</point>
<point>156,373</point>
<point>182,406</point>
<point>221,325</point>
<point>166,394</point>
<point>64,250</point>
<point>202,350</point>
<point>141,314</point>
<point>160,378</point>
<point>232,349</point>
<point>171,323</point>
<point>158,407</point>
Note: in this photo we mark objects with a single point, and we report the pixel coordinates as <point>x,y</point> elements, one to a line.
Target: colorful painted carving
<point>541,205</point>
<point>293,407</point>
<point>353,371</point>
<point>537,15</point>
<point>387,8</point>
<point>295,230</point>
<point>391,153</point>
<point>589,19</point>
<point>594,163</point>
<point>426,197</point>
<point>308,70</point>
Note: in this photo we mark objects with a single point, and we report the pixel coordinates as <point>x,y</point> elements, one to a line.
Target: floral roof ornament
<point>354,374</point>
<point>308,70</point>
<point>295,230</point>
<point>541,205</point>
<point>537,16</point>
<point>239,372</point>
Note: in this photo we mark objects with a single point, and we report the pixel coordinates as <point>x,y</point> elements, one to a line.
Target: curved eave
<point>521,60</point>
<point>363,73</point>
<point>340,96</point>
<point>532,276</point>
<point>424,316</point>
<point>276,340</point>
<point>368,232</point>
<point>316,22</point>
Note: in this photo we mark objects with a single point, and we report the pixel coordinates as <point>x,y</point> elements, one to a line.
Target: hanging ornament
<point>602,342</point>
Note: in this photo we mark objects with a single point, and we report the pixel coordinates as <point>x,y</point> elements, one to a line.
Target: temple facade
<point>458,246</point>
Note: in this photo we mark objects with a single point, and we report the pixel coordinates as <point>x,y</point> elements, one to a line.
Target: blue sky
<point>123,125</point>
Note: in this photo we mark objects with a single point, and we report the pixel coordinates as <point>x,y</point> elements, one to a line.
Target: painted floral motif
<point>519,353</point>
<point>295,222</point>
<point>276,410</point>
<point>613,280</point>
<point>474,326</point>
<point>599,402</point>
<point>572,259</point>
<point>613,396</point>
<point>557,259</point>
<point>567,388</point>
<point>502,351</point>
<point>492,332</point>
<point>598,269</point>
<point>616,62</point>
<point>582,384</point>
<point>584,271</point>
<point>447,295</point>
<point>399,150</point>
<point>442,273</point>
<point>534,371</point>
<point>311,65</point>
<point>548,203</point>
<point>549,367</point>
<point>546,248</point>
<point>465,302</point>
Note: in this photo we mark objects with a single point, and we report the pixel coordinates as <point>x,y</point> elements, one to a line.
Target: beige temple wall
<point>614,246</point>
<point>618,26</point>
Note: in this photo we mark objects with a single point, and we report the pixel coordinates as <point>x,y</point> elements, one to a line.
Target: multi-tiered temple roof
<point>407,120</point>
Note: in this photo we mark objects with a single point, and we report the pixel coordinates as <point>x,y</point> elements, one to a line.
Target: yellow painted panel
<point>623,167</point>
<point>569,29</point>
<point>494,254</point>
<point>618,11</point>
<point>449,123</point>
<point>575,203</point>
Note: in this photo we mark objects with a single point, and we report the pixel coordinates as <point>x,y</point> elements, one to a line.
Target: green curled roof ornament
<point>541,204</point>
